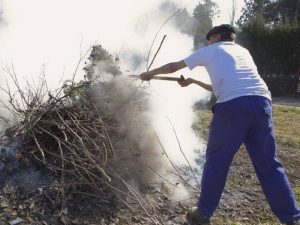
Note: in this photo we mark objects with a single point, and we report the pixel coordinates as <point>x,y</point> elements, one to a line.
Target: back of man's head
<point>226,32</point>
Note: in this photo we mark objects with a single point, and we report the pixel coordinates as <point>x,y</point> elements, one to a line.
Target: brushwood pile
<point>84,139</point>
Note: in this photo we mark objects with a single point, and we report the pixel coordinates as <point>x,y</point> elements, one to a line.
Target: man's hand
<point>146,75</point>
<point>186,82</point>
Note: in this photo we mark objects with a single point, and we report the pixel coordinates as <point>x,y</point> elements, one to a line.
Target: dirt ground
<point>242,202</point>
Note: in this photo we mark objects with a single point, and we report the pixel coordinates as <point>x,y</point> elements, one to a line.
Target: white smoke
<point>171,104</point>
<point>54,32</point>
<point>140,159</point>
<point>57,33</point>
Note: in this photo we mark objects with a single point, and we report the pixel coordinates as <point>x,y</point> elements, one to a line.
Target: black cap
<point>220,29</point>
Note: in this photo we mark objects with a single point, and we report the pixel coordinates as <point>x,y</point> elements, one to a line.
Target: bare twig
<point>161,26</point>
<point>180,148</point>
<point>162,41</point>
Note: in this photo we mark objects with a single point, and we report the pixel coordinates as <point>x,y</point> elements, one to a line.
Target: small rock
<point>65,211</point>
<point>2,166</point>
<point>16,221</point>
<point>172,217</point>
<point>134,219</point>
<point>75,221</point>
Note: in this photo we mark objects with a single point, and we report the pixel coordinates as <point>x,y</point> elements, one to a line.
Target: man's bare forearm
<point>188,81</point>
<point>203,85</point>
<point>165,69</point>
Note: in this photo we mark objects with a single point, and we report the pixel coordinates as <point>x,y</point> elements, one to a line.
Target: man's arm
<point>165,69</point>
<point>188,81</point>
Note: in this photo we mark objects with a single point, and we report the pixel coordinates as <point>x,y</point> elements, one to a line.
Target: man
<point>242,114</point>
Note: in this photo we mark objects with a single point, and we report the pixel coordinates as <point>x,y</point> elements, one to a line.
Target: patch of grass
<point>297,194</point>
<point>232,222</point>
<point>287,125</point>
<point>202,122</point>
<point>286,122</point>
<point>228,223</point>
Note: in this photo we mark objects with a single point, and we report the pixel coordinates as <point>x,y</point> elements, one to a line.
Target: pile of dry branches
<point>70,133</point>
<point>64,132</point>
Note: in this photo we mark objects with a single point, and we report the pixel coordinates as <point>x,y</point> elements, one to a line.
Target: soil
<point>23,202</point>
<point>242,200</point>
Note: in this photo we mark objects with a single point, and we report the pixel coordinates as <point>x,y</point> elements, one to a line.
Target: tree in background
<point>270,29</point>
<point>182,18</point>
<point>196,25</point>
<point>203,15</point>
<point>289,10</point>
<point>273,11</point>
<point>232,13</point>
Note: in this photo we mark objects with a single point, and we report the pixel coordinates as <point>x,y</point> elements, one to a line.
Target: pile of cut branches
<point>73,131</point>
<point>64,132</point>
<point>64,129</point>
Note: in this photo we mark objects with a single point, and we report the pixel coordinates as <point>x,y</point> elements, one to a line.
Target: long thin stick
<point>163,24</point>
<point>180,148</point>
<point>162,41</point>
<point>160,78</point>
<point>168,157</point>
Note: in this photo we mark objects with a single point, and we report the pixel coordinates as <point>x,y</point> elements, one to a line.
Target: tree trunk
<point>260,7</point>
<point>297,18</point>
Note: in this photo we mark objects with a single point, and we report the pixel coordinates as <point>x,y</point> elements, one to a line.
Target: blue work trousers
<point>247,120</point>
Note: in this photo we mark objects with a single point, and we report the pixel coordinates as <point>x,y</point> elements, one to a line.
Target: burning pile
<point>65,132</point>
<point>94,132</point>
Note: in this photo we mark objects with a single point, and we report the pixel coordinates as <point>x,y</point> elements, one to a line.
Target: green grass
<point>297,194</point>
<point>286,122</point>
<point>202,122</point>
<point>287,125</point>
<point>228,223</point>
<point>231,222</point>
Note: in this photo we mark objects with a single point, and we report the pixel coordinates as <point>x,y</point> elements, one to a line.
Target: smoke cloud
<point>126,29</point>
<point>140,159</point>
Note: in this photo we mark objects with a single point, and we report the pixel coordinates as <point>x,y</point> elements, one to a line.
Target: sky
<point>54,34</point>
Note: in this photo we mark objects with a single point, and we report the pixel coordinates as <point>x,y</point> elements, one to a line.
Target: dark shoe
<point>296,222</point>
<point>195,218</point>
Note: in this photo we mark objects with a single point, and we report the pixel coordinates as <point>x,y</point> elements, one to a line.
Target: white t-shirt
<point>232,71</point>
